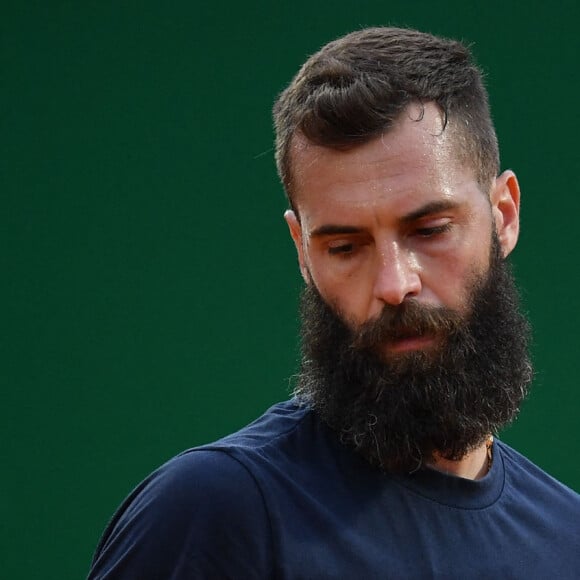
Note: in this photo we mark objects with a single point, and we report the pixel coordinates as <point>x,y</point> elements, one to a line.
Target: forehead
<point>418,156</point>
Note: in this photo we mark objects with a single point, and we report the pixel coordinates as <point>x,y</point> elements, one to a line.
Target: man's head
<point>355,87</point>
<point>389,158</point>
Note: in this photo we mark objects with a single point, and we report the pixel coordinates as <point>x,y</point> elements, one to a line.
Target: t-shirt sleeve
<point>201,515</point>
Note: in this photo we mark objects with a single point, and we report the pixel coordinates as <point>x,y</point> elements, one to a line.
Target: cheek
<point>454,278</point>
<point>347,292</point>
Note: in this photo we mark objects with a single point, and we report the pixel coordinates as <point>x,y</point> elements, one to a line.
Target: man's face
<point>397,219</point>
<point>400,412</point>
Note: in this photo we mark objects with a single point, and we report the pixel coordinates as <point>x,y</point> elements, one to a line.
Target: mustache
<point>408,319</point>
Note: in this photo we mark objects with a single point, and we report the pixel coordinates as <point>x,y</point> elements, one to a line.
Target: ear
<point>505,207</point>
<point>296,234</point>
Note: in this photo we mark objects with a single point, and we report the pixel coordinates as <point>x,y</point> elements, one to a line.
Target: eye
<point>341,248</point>
<point>433,231</point>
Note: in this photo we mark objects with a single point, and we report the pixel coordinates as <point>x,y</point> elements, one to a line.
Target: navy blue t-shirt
<point>282,498</point>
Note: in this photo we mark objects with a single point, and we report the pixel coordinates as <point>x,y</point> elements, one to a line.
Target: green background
<point>149,287</point>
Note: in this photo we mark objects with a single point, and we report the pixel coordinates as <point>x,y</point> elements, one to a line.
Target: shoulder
<point>277,423</point>
<point>205,502</point>
<point>528,478</point>
<point>179,522</point>
<point>197,482</point>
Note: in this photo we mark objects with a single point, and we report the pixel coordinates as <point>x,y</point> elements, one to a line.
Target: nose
<point>397,277</point>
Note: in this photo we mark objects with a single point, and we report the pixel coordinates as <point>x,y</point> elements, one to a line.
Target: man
<point>414,355</point>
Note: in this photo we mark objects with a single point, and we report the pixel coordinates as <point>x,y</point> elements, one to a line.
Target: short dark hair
<point>355,87</point>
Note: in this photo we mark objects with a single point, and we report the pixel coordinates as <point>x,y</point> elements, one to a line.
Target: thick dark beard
<point>397,413</point>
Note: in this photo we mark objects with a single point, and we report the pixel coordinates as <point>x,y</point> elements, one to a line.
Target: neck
<point>474,465</point>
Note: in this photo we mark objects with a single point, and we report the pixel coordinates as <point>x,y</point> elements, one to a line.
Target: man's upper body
<point>414,354</point>
<point>283,498</point>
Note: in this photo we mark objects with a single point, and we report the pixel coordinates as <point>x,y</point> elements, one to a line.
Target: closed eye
<point>341,249</point>
<point>433,231</point>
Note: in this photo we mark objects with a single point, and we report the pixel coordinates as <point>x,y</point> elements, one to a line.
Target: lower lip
<point>409,344</point>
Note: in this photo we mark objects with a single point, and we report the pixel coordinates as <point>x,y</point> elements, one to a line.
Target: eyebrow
<point>332,229</point>
<point>428,209</point>
<point>425,210</point>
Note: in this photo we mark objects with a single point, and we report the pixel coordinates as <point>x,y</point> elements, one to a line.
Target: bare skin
<point>473,466</point>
